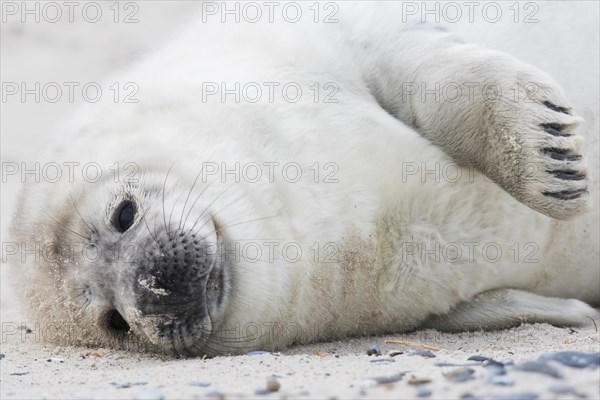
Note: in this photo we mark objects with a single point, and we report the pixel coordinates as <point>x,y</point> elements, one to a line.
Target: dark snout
<point>178,286</point>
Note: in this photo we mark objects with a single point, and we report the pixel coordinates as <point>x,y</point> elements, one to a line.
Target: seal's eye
<point>123,217</point>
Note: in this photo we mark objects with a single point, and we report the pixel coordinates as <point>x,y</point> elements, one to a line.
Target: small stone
<point>540,368</point>
<point>383,360</point>
<point>374,351</point>
<point>2,356</point>
<point>149,394</point>
<point>396,353</point>
<point>218,395</point>
<point>575,359</point>
<point>19,373</point>
<point>422,392</point>
<point>414,380</point>
<point>257,353</point>
<point>561,388</point>
<point>515,396</point>
<point>273,385</point>
<point>501,380</point>
<point>127,385</point>
<point>477,358</point>
<point>424,353</point>
<point>447,364</point>
<point>199,384</point>
<point>383,380</point>
<point>460,374</point>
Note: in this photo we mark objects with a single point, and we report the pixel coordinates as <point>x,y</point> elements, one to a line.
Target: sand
<point>341,369</point>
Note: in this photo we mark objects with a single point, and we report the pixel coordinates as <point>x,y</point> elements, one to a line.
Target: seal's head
<point>124,264</point>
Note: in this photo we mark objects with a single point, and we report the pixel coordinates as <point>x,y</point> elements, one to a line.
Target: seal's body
<point>285,183</point>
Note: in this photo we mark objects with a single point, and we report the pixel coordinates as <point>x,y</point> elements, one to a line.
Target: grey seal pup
<point>284,183</point>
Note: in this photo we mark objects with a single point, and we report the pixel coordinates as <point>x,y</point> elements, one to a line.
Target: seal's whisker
<point>163,197</point>
<point>78,213</point>
<point>188,196</point>
<point>173,208</point>
<point>222,209</point>
<point>69,229</point>
<point>237,223</point>
<point>153,236</point>
<point>195,201</point>
<point>82,309</point>
<point>207,207</point>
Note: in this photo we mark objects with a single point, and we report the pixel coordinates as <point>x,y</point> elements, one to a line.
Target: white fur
<point>373,215</point>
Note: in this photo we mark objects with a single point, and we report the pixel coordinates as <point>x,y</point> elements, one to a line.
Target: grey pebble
<point>447,364</point>
<point>257,353</point>
<point>199,384</point>
<point>127,385</point>
<point>383,360</point>
<point>19,373</point>
<point>374,351</point>
<point>575,359</point>
<point>217,395</point>
<point>149,394</point>
<point>422,392</point>
<point>515,396</point>
<point>382,380</point>
<point>500,380</point>
<point>561,388</point>
<point>2,356</point>
<point>540,368</point>
<point>460,374</point>
<point>478,358</point>
<point>424,353</point>
<point>396,353</point>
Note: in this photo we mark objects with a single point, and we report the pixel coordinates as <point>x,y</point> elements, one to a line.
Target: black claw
<point>556,108</point>
<point>568,175</point>
<point>555,129</point>
<point>561,155</point>
<point>566,194</point>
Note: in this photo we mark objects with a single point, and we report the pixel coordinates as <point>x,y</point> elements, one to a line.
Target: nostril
<point>116,322</point>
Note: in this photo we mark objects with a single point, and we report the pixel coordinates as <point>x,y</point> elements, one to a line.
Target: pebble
<point>515,396</point>
<point>149,394</point>
<point>382,380</point>
<point>561,388</point>
<point>19,373</point>
<point>540,368</point>
<point>217,395</point>
<point>273,385</point>
<point>501,380</point>
<point>374,351</point>
<point>424,353</point>
<point>2,356</point>
<point>447,364</point>
<point>383,360</point>
<point>478,358</point>
<point>199,384</point>
<point>422,392</point>
<point>257,353</point>
<point>418,381</point>
<point>127,385</point>
<point>396,353</point>
<point>575,359</point>
<point>460,374</point>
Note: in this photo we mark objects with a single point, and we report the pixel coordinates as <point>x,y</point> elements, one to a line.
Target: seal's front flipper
<point>506,308</point>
